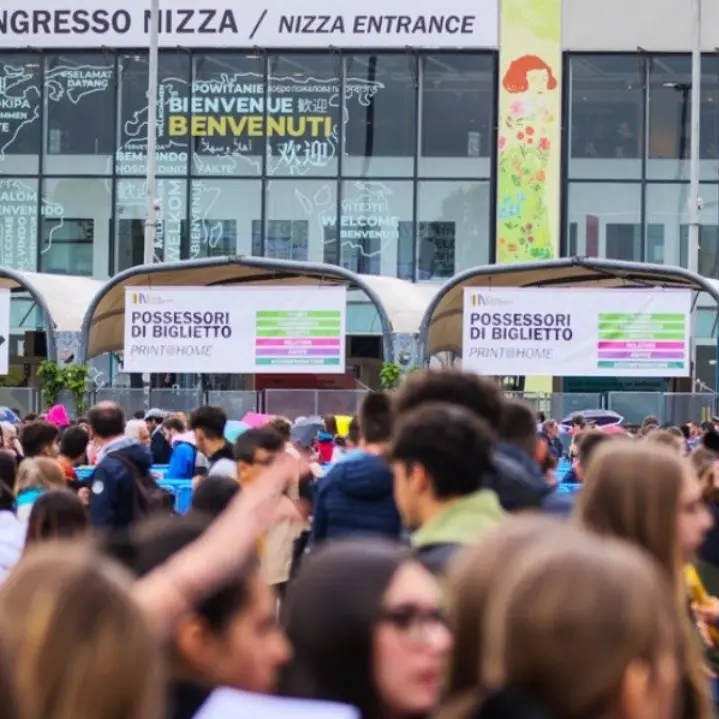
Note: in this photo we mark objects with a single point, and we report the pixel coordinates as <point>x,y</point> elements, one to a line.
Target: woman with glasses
<point>365,622</point>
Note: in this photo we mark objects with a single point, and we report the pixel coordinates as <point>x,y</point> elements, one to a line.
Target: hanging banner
<point>529,135</point>
<point>577,333</point>
<point>207,23</point>
<point>300,330</point>
<point>4,331</point>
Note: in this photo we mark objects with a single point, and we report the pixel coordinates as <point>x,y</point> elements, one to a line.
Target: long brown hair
<point>80,645</point>
<point>632,490</point>
<point>597,608</point>
<point>469,581</point>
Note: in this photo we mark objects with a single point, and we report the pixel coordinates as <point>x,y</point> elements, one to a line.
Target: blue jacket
<point>112,485</point>
<point>182,461</point>
<point>355,498</point>
<point>559,504</point>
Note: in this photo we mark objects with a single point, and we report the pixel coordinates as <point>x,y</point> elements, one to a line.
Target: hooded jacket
<point>516,479</point>
<point>12,541</point>
<point>184,460</point>
<point>460,523</point>
<point>112,483</point>
<point>355,498</point>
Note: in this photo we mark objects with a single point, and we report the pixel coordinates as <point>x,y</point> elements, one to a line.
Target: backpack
<point>147,495</point>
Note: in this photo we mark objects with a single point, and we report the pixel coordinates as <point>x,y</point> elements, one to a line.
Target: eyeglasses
<point>413,621</point>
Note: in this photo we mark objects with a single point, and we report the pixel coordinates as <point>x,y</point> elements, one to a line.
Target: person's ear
<point>633,701</point>
<point>419,479</point>
<point>193,642</point>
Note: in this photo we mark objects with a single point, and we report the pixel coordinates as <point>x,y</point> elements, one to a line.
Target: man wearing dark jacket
<point>550,432</point>
<point>120,458</point>
<point>159,446</point>
<point>515,487</point>
<point>355,497</point>
<point>518,439</point>
<point>208,424</point>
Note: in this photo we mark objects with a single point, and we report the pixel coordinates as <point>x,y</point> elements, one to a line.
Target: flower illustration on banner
<point>524,147</point>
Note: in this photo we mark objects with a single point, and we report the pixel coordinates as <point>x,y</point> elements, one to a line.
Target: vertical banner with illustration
<point>529,137</point>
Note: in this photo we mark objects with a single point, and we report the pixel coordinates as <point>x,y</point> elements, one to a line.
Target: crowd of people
<point>431,568</point>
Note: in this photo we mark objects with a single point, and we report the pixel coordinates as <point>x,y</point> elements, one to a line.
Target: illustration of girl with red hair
<point>524,151</point>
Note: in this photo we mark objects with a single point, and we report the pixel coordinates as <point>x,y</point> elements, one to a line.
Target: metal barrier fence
<point>306,402</point>
<point>670,408</point>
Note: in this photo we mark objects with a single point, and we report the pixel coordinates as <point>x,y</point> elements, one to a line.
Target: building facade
<point>410,140</point>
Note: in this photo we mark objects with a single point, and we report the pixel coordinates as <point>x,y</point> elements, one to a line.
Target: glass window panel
<point>304,113</point>
<point>705,324</point>
<point>667,206</point>
<point>18,223</point>
<point>608,219</point>
<point>171,234</point>
<point>227,125</point>
<point>376,230</point>
<point>606,116</point>
<point>301,220</point>
<point>380,114</point>
<point>80,102</point>
<point>172,94</point>
<point>222,216</point>
<point>20,110</point>
<point>670,118</point>
<point>708,264</point>
<point>76,223</point>
<point>457,115</point>
<point>453,228</point>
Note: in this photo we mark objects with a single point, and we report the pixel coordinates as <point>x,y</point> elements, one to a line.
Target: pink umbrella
<point>613,429</point>
<point>255,419</point>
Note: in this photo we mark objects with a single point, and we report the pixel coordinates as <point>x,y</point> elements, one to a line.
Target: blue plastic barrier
<point>159,471</point>
<point>562,468</point>
<point>182,489</point>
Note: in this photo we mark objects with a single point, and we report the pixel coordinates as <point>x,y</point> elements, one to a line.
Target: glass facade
<point>380,163</point>
<point>627,158</point>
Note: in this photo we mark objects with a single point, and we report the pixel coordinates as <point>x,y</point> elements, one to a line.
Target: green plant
<point>390,375</point>
<point>75,378</point>
<point>53,381</point>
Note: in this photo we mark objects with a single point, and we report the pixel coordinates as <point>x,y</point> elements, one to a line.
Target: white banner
<point>577,333</point>
<point>275,23</point>
<point>279,330</point>
<point>4,331</point>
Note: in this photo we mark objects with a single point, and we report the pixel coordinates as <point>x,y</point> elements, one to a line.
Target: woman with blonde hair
<point>647,495</point>
<point>582,631</point>
<point>35,477</point>
<point>80,645</point>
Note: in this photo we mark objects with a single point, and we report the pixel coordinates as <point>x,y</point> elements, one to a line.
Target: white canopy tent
<point>441,327</point>
<point>62,299</point>
<point>399,304</point>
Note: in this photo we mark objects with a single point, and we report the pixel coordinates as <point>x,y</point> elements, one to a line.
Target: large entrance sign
<point>576,332</point>
<point>208,23</point>
<point>235,330</point>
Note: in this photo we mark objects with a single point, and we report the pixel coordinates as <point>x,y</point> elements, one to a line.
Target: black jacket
<point>185,699</point>
<point>160,448</point>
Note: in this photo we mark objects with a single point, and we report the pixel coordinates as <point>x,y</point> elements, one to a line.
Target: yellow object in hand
<point>699,595</point>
